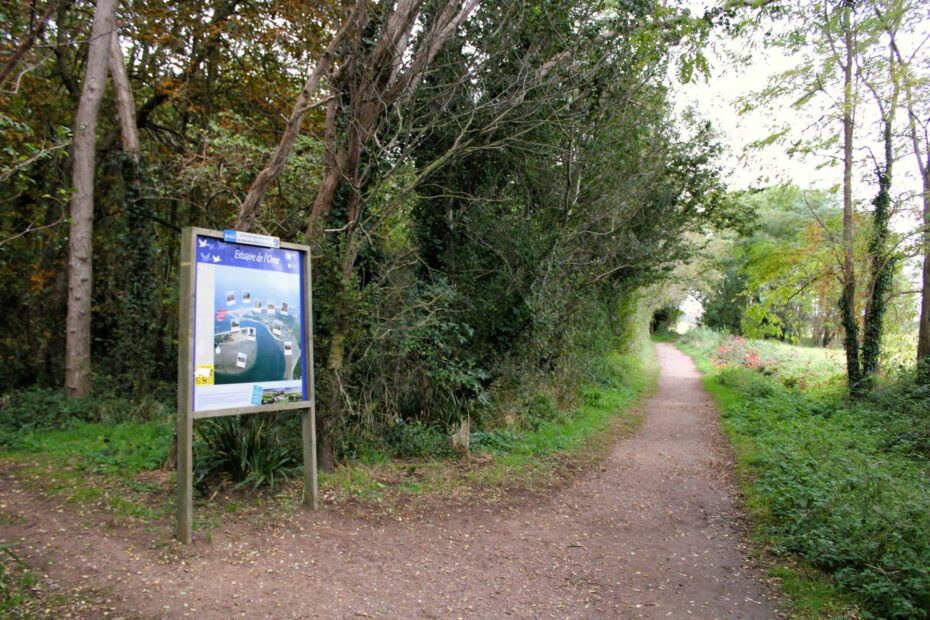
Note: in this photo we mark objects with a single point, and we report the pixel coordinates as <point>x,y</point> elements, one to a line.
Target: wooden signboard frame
<point>186,378</point>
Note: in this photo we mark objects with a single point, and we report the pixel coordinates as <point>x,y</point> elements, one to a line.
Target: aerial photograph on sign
<point>256,344</point>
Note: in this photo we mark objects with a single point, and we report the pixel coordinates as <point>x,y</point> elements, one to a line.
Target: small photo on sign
<point>258,304</point>
<point>270,308</point>
<point>241,359</point>
<point>234,326</point>
<point>230,298</point>
<point>288,348</point>
<point>246,297</point>
<point>278,326</point>
<point>250,333</point>
<point>283,307</point>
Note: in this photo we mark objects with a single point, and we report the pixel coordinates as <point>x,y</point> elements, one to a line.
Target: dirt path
<point>650,534</point>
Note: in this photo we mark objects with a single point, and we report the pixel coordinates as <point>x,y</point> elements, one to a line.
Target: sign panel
<point>237,236</point>
<point>248,326</point>
<point>245,343</point>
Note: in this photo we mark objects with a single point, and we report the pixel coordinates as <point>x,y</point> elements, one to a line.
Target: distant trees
<point>847,50</point>
<point>782,280</point>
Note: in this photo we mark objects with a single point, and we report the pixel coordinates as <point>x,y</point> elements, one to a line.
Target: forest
<point>502,200</point>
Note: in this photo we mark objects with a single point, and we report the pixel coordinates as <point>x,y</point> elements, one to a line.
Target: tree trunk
<point>882,262</point>
<point>848,300</point>
<point>923,333</point>
<point>124,100</point>
<point>80,246</point>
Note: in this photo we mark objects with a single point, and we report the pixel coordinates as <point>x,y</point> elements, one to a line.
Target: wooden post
<point>185,430</point>
<point>308,416</point>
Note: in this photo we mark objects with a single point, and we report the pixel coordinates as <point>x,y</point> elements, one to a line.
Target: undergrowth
<point>843,485</point>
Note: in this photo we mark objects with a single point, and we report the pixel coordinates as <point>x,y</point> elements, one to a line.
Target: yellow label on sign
<point>203,374</point>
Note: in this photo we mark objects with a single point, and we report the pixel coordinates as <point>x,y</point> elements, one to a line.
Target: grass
<point>99,464</point>
<point>505,460</point>
<point>588,430</point>
<point>117,465</point>
<point>16,582</point>
<point>839,491</point>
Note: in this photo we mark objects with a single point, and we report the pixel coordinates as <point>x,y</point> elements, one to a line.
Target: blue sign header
<point>213,251</point>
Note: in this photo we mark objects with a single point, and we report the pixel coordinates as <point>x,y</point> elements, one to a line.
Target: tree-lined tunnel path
<point>651,533</point>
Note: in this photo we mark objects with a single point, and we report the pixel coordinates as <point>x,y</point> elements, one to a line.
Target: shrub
<point>46,409</point>
<point>415,439</point>
<point>703,339</point>
<point>247,449</point>
<point>540,408</point>
<point>751,384</point>
<point>737,351</point>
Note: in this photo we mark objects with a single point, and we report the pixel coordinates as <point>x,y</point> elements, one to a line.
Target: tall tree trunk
<point>80,245</point>
<point>882,262</point>
<point>923,332</point>
<point>848,300</point>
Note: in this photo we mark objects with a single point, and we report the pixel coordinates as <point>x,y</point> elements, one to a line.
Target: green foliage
<point>843,486</point>
<point>249,450</point>
<point>502,240</point>
<point>725,304</point>
<point>415,439</point>
<point>26,411</point>
<point>122,448</point>
<point>665,319</point>
<point>619,380</point>
<point>14,584</point>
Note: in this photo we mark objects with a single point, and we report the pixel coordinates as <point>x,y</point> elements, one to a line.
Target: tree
<point>853,43</point>
<point>914,82</point>
<point>80,252</point>
<point>885,93</point>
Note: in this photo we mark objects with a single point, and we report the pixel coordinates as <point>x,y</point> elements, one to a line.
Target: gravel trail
<point>651,533</point>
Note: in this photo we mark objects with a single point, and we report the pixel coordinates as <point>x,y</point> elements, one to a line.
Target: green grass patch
<point>16,583</point>
<point>98,463</point>
<point>116,465</point>
<point>843,487</point>
<point>665,336</point>
<point>584,433</point>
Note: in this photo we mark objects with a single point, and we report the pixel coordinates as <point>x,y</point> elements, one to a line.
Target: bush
<point>247,449</point>
<point>415,439</point>
<point>540,408</point>
<point>703,339</point>
<point>751,384</point>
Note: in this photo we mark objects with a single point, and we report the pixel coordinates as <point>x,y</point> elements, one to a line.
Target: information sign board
<point>248,326</point>
<point>246,341</point>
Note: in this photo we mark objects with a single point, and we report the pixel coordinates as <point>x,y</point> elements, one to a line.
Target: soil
<point>652,532</point>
